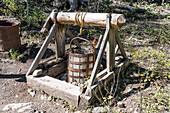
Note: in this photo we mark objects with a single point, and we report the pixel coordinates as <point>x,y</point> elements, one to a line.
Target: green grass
<point>14,54</point>
<point>158,101</point>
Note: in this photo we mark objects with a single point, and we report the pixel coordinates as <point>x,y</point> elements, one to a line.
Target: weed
<point>64,102</point>
<point>158,59</point>
<point>14,54</point>
<point>72,108</point>
<point>158,101</point>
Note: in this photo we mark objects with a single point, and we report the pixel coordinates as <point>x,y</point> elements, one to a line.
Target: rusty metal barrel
<point>80,63</point>
<point>9,35</point>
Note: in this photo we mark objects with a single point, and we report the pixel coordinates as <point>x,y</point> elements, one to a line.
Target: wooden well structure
<point>78,95</point>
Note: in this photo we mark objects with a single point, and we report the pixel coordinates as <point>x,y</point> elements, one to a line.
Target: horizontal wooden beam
<point>55,87</point>
<point>88,19</point>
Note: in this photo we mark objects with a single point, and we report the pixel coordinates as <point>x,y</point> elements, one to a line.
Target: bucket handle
<point>81,39</point>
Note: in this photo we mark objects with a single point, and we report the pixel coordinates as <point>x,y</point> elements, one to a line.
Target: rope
<point>77,18</point>
<point>77,22</point>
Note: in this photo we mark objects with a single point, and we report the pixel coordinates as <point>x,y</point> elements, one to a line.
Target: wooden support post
<point>120,45</point>
<point>111,50</point>
<point>42,50</point>
<point>60,40</point>
<point>99,57</point>
<point>99,42</point>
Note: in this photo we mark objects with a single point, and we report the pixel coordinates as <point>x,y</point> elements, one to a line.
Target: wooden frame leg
<point>42,50</point>
<point>111,50</point>
<point>99,57</point>
<point>120,45</point>
<point>60,40</point>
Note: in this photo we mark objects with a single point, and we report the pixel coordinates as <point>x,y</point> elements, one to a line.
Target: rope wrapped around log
<point>89,19</point>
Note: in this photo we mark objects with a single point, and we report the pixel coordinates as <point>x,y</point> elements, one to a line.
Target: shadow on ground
<point>34,51</point>
<point>127,84</point>
<point>18,77</point>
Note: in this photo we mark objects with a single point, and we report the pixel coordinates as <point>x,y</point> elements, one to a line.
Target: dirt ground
<point>16,95</point>
<point>14,90</point>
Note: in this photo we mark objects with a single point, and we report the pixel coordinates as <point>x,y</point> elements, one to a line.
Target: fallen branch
<point>139,10</point>
<point>27,52</point>
<point>159,35</point>
<point>50,62</point>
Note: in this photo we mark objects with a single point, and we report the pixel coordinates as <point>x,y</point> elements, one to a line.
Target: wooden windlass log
<point>88,19</point>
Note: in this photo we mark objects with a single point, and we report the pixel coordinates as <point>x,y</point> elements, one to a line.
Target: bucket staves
<point>80,63</point>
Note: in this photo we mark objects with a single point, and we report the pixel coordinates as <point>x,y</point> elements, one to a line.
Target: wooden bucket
<point>80,63</point>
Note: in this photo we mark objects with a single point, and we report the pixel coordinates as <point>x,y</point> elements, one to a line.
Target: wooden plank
<point>56,69</point>
<point>111,50</point>
<point>48,23</point>
<point>50,62</point>
<point>60,40</point>
<point>90,19</point>
<point>100,84</point>
<point>120,45</point>
<point>101,74</point>
<point>42,50</point>
<point>55,87</point>
<point>108,77</point>
<point>105,78</point>
<point>98,77</point>
<point>99,42</point>
<point>100,54</point>
<point>84,101</point>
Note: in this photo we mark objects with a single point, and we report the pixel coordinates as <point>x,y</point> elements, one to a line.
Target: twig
<point>97,97</point>
<point>112,84</point>
<point>158,35</point>
<point>140,98</point>
<point>27,52</point>
<point>100,91</point>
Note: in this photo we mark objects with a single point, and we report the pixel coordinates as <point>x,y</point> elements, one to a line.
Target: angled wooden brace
<point>100,54</point>
<point>42,50</point>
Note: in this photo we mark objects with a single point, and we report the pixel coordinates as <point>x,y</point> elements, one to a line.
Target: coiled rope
<point>77,22</point>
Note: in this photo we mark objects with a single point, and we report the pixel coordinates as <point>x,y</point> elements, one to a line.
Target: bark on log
<point>50,63</point>
<point>88,19</point>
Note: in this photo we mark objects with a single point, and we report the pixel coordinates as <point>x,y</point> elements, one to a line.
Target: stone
<point>78,112</point>
<point>121,105</point>
<point>37,72</point>
<point>43,97</point>
<point>98,110</point>
<point>21,110</point>
<point>31,92</point>
<point>14,106</point>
